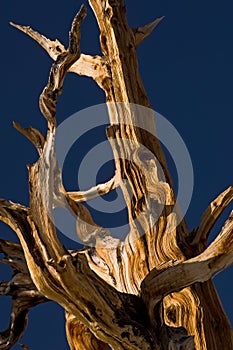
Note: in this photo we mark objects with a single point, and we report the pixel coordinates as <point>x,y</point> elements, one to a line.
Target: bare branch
<point>91,66</point>
<point>54,48</point>
<point>141,33</point>
<point>95,191</point>
<point>210,217</point>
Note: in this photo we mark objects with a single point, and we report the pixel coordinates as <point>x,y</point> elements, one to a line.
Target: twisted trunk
<point>154,290</point>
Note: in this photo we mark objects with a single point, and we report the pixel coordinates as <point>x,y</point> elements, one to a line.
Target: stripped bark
<point>152,291</point>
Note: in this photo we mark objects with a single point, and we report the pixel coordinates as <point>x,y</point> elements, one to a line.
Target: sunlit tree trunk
<point>152,291</point>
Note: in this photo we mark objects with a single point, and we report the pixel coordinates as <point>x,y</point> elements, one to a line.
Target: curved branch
<point>210,216</point>
<point>33,135</point>
<point>96,191</point>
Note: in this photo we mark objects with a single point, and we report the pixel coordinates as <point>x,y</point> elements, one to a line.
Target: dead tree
<point>152,291</point>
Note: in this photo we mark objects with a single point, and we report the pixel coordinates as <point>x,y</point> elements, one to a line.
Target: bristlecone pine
<point>152,291</point>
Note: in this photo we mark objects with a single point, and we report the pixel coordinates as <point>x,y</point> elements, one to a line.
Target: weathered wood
<point>80,337</point>
<point>152,291</point>
<point>94,67</point>
<point>179,275</point>
<point>56,273</point>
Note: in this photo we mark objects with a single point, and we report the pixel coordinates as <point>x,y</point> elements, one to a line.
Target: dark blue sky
<point>186,66</point>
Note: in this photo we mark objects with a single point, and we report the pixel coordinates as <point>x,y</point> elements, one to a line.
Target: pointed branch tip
<point>75,30</point>
<point>22,28</point>
<point>141,33</point>
<point>13,24</point>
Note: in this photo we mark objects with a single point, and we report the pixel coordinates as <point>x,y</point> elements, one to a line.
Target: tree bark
<point>154,290</point>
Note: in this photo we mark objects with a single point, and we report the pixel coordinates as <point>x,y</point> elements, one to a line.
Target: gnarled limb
<point>70,282</point>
